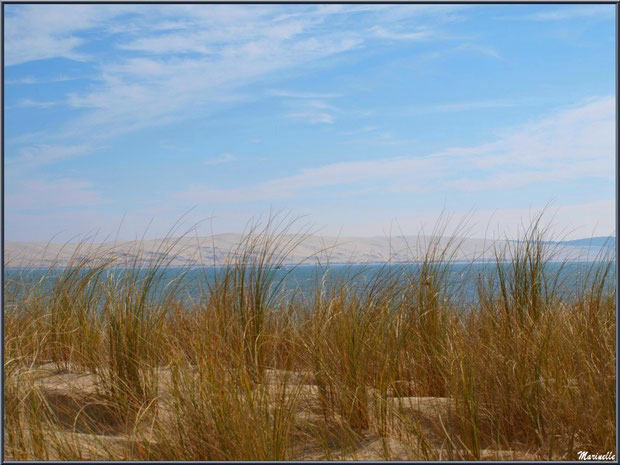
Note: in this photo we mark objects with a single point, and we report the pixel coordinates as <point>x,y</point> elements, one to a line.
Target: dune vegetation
<point>109,366</point>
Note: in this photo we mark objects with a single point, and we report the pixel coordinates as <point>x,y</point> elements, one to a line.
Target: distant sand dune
<point>215,250</point>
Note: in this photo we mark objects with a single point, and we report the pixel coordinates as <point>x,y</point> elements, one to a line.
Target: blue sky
<point>361,117</point>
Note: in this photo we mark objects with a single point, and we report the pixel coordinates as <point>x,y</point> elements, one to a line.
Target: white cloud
<point>36,156</point>
<point>36,32</point>
<point>567,12</point>
<point>41,194</point>
<point>72,225</point>
<point>482,49</point>
<point>143,92</point>
<point>175,62</point>
<point>36,80</point>
<point>314,117</point>
<point>568,221</point>
<point>382,138</point>
<point>301,95</point>
<point>335,174</point>
<point>28,103</point>
<point>464,106</point>
<point>169,43</point>
<point>309,106</point>
<point>221,159</point>
<point>313,111</point>
<point>573,143</point>
<point>383,33</point>
<point>425,14</point>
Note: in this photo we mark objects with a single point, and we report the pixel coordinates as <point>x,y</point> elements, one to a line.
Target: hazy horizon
<point>365,120</point>
<point>218,250</point>
<point>98,239</point>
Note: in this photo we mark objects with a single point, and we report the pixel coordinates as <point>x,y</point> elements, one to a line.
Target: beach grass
<point>109,366</point>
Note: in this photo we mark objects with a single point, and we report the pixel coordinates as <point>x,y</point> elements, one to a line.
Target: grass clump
<point>115,360</point>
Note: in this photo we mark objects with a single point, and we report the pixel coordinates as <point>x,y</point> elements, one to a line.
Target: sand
<point>72,394</point>
<point>216,250</point>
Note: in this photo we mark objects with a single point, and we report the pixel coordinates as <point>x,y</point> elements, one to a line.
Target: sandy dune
<point>217,249</point>
<point>74,399</point>
<point>193,251</point>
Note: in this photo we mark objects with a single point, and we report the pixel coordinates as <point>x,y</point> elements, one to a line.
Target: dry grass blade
<point>125,358</point>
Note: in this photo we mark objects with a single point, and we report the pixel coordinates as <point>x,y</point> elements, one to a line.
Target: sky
<point>362,120</point>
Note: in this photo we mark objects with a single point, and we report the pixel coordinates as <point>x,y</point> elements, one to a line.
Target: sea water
<point>460,280</point>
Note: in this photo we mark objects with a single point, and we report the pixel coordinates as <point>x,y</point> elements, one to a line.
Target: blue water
<point>302,281</point>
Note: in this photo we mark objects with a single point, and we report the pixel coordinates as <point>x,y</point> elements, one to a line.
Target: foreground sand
<point>73,397</point>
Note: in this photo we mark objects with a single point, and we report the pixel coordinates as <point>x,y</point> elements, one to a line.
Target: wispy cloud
<point>465,106</point>
<point>572,143</point>
<point>221,159</point>
<point>164,53</point>
<point>577,142</point>
<point>314,111</point>
<point>137,92</point>
<point>302,95</point>
<point>383,33</point>
<point>30,80</point>
<point>362,130</point>
<point>28,103</point>
<point>481,49</point>
<point>37,156</point>
<point>335,174</point>
<point>37,32</point>
<point>313,117</point>
<point>379,137</point>
<point>308,106</point>
<point>41,194</point>
<point>569,221</point>
<point>567,12</point>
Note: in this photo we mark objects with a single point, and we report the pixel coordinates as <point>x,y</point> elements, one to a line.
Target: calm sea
<point>301,281</point>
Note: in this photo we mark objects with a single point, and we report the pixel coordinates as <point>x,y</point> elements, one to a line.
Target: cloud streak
<point>568,13</point>
<point>301,95</point>
<point>220,160</point>
<point>38,32</point>
<point>573,143</point>
<point>42,194</point>
<point>37,156</point>
<point>383,33</point>
<point>314,111</point>
<point>176,62</point>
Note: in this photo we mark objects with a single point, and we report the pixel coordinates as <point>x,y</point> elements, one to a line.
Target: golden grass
<point>102,365</point>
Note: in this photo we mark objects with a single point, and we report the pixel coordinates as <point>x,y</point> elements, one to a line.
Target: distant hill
<point>218,249</point>
<point>600,241</point>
